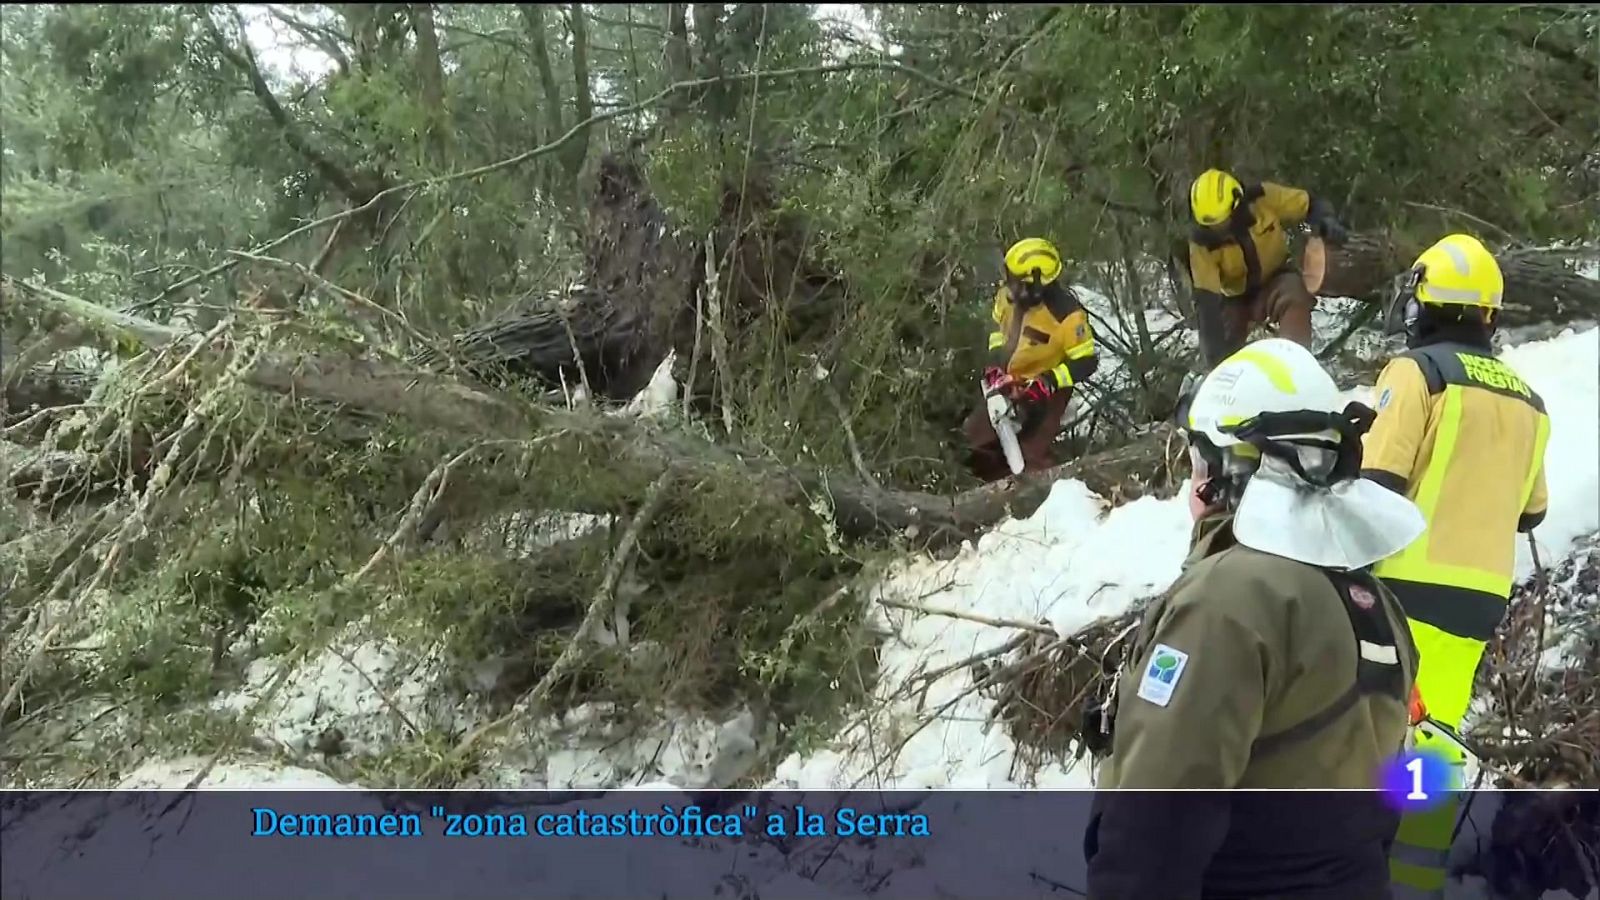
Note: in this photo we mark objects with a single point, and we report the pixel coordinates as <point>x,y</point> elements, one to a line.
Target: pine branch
<point>577,130</point>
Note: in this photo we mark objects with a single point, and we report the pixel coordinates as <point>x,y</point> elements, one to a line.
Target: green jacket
<point>1245,675</point>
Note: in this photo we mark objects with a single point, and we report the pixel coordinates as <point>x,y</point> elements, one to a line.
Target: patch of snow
<point>1069,564</point>
<point>1565,372</point>
<point>658,397</point>
<point>597,745</point>
<point>175,774</point>
<point>524,533</point>
<point>370,692</point>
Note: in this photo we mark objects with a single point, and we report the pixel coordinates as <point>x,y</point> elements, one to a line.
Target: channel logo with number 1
<point>1418,780</point>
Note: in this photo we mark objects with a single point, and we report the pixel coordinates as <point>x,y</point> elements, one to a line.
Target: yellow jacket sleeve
<point>1204,272</point>
<point>1290,205</point>
<point>1078,360</point>
<point>1393,444</point>
<point>1538,496</point>
<point>997,337</point>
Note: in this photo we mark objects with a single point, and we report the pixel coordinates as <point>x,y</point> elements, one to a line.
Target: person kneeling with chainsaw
<point>1274,661</point>
<point>1041,348</point>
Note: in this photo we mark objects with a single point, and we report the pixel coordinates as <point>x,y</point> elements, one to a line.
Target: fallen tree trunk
<point>1540,285</point>
<point>633,450</point>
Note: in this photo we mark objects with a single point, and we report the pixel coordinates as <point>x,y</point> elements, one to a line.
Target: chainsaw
<point>1003,416</point>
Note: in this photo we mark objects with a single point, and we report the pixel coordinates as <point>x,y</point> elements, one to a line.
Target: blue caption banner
<point>242,844</point>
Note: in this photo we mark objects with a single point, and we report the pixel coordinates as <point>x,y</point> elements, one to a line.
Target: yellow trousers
<point>1448,666</point>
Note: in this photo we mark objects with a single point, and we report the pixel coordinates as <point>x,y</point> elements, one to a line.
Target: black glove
<point>1331,230</point>
<point>1324,225</point>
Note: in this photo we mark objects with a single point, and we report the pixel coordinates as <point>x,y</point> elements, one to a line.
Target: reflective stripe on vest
<point>1421,848</point>
<point>1412,563</point>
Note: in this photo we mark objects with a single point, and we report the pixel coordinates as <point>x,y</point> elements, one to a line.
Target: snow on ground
<point>176,774</point>
<point>1068,564</point>
<point>366,694</point>
<point>1566,374</point>
<point>362,693</point>
<point>1072,561</point>
<point>594,744</point>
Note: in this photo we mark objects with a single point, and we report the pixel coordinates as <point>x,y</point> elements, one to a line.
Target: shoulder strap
<point>1378,666</point>
<point>1211,240</point>
<point>1428,358</point>
<point>1061,301</point>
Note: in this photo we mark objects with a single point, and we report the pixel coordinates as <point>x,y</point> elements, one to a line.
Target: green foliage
<point>875,202</point>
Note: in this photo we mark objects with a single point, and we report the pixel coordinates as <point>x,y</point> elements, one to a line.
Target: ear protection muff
<point>1404,312</point>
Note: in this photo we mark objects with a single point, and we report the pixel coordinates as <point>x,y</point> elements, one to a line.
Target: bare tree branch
<point>320,36</point>
<point>245,61</point>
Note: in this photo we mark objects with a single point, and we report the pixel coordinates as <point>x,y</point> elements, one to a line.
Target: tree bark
<point>430,73</point>
<point>539,49</point>
<point>1540,286</point>
<point>637,293</point>
<point>582,96</point>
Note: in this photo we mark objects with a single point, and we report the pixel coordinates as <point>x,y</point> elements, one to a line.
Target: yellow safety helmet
<point>1459,271</point>
<point>1034,259</point>
<point>1214,196</point>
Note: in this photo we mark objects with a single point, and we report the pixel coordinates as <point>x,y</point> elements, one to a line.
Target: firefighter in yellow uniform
<point>1239,262</point>
<point>1463,437</point>
<point>1040,349</point>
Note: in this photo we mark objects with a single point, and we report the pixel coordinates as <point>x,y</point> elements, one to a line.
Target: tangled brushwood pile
<point>1540,841</point>
<point>1543,678</point>
<point>259,490</point>
<point>1042,689</point>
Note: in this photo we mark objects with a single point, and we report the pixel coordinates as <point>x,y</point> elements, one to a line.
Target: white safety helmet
<point>1272,397</point>
<point>1273,375</point>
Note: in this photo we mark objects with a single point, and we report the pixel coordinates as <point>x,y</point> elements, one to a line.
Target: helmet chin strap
<point>1343,456</point>
<point>1228,472</point>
